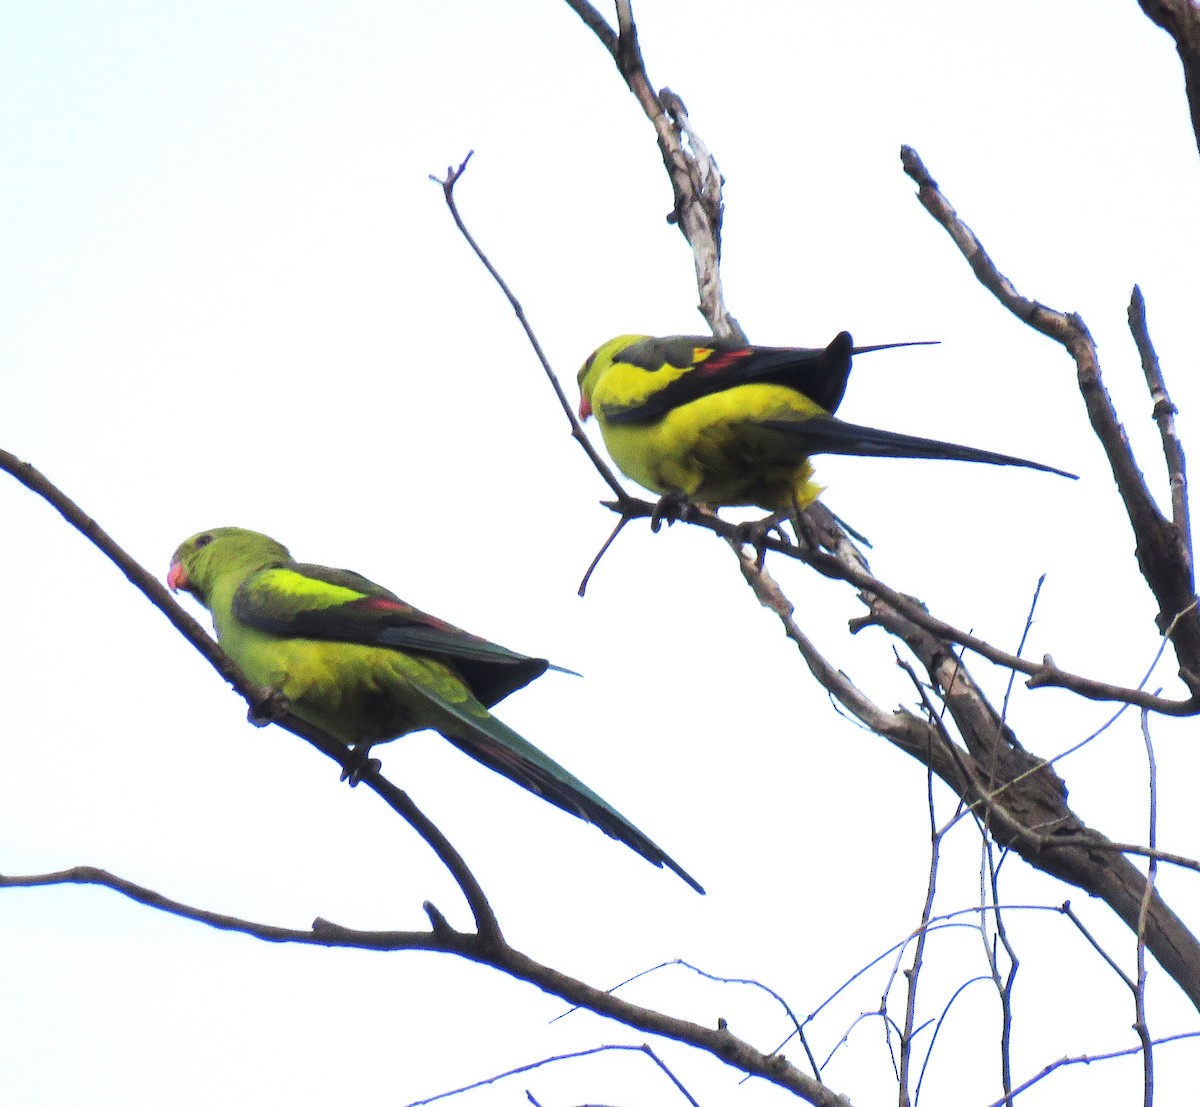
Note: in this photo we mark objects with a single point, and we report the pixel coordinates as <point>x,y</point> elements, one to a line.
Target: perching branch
<point>264,706</point>
<point>1019,797</point>
<point>844,565</point>
<point>487,945</point>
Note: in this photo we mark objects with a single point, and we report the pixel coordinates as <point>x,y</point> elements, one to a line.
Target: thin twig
<point>1140,1025</point>
<point>614,1048</point>
<point>1091,940</point>
<point>913,972</point>
<point>1004,988</point>
<point>587,576</point>
<point>940,1021</point>
<point>1008,687</point>
<point>451,179</point>
<point>744,981</point>
<point>1164,415</point>
<point>1088,1059</point>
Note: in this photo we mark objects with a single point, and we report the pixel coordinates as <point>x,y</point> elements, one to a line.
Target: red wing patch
<point>378,603</point>
<point>718,362</point>
<point>384,606</point>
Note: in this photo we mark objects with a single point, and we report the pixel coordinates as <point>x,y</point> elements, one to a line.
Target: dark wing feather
<point>379,618</point>
<point>821,375</point>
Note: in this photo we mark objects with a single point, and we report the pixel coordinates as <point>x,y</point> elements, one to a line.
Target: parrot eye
<point>203,541</point>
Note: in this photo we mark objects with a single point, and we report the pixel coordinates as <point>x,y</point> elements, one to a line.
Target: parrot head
<point>204,556</point>
<point>597,365</point>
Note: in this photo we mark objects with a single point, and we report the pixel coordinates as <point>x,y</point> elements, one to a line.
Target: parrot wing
<point>715,365</point>
<point>490,742</point>
<point>337,605</point>
<point>833,436</point>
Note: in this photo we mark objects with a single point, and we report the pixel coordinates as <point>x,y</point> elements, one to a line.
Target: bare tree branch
<point>490,950</point>
<point>1163,553</point>
<point>1181,20</point>
<point>615,1048</point>
<point>1140,1025</point>
<point>1019,797</point>
<point>487,946</point>
<point>846,564</point>
<point>1164,415</point>
<point>693,173</point>
<point>451,179</point>
<point>264,705</point>
<point>1087,1059</point>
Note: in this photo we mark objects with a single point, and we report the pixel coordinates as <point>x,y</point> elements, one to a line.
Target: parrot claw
<point>672,507</point>
<point>807,532</point>
<point>757,532</point>
<point>361,766</point>
<point>269,708</point>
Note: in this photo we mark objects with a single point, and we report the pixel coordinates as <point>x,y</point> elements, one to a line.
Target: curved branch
<point>1164,557</point>
<point>1164,415</point>
<point>695,179</point>
<point>264,706</point>
<point>595,21</point>
<point>602,467</point>
<point>618,1047</point>
<point>1181,20</point>
<point>844,565</point>
<point>493,952</point>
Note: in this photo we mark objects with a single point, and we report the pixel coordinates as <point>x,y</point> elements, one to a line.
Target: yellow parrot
<point>714,421</point>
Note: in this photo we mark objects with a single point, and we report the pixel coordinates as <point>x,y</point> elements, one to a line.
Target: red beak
<point>177,577</point>
<point>585,408</point>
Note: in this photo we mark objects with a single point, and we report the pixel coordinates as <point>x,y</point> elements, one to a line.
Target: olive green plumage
<point>357,661</point>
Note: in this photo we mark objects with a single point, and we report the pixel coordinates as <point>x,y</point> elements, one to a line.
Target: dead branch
<point>1163,546</point>
<point>1181,20</point>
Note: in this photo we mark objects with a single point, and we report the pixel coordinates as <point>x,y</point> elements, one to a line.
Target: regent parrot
<point>355,660</point>
<point>718,422</point>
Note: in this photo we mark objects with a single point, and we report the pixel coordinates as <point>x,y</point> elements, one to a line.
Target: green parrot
<point>363,665</point>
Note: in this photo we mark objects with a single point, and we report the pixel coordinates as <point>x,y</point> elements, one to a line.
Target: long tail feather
<point>833,436</point>
<point>502,749</point>
<point>895,346</point>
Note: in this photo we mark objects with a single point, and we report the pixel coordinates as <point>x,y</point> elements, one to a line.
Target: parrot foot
<point>808,531</point>
<point>757,532</point>
<point>671,508</point>
<point>269,708</point>
<point>361,766</point>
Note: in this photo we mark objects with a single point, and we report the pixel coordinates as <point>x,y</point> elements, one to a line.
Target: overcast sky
<point>232,296</point>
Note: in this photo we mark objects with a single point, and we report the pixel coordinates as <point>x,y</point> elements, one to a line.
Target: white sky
<point>232,297</point>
